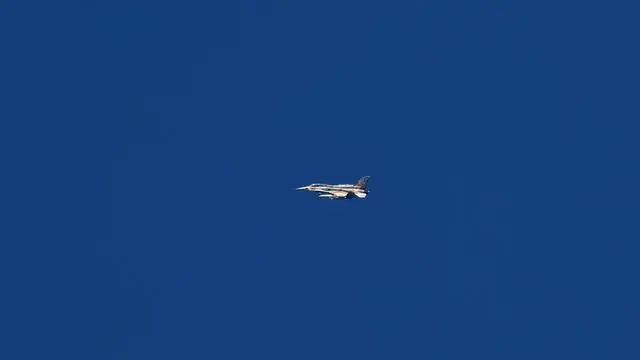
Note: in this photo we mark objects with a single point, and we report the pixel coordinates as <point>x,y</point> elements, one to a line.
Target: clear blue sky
<point>152,148</point>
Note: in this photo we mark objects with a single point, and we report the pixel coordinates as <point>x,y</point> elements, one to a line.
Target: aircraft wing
<point>337,193</point>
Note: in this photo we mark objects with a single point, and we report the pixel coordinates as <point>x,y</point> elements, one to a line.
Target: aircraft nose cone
<point>302,188</point>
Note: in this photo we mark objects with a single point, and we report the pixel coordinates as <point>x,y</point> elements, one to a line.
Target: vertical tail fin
<point>362,183</point>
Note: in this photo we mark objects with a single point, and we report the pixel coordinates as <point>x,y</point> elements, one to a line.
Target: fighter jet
<point>341,191</point>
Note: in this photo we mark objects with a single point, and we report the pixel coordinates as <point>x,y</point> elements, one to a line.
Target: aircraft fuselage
<point>339,191</point>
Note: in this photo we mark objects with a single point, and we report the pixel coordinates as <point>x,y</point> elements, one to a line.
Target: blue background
<point>151,149</point>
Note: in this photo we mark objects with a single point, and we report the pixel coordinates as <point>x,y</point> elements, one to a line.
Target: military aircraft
<point>341,191</point>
